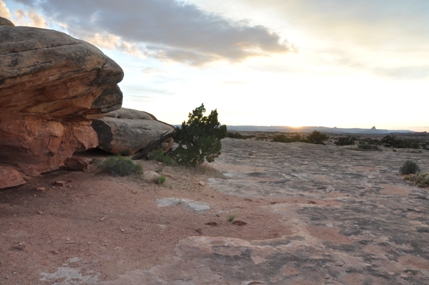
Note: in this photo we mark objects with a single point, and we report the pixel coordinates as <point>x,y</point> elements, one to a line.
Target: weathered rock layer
<point>51,88</point>
<point>126,131</point>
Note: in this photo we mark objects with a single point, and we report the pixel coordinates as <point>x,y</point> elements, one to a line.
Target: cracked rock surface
<point>353,220</point>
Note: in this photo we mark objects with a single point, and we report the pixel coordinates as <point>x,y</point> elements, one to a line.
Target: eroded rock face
<point>5,22</point>
<point>51,87</point>
<point>126,131</point>
<point>10,177</point>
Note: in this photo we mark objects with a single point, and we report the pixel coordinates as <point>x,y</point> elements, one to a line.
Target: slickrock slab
<point>353,220</point>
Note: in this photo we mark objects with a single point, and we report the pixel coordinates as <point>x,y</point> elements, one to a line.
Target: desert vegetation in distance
<point>315,137</point>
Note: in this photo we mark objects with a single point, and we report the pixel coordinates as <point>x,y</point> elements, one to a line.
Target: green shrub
<point>119,166</point>
<point>160,156</point>
<point>391,141</point>
<point>281,138</point>
<point>231,218</point>
<point>198,138</point>
<point>409,167</point>
<point>235,136</point>
<point>316,137</point>
<point>419,179</point>
<point>296,137</point>
<point>350,140</point>
<point>159,180</point>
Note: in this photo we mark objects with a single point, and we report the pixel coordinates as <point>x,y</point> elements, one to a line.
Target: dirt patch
<point>113,224</point>
<point>329,234</point>
<point>395,190</point>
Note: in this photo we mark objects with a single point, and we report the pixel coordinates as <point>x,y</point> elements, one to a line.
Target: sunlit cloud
<point>387,38</point>
<point>109,41</point>
<point>151,70</point>
<point>164,29</point>
<point>4,11</point>
<point>29,18</point>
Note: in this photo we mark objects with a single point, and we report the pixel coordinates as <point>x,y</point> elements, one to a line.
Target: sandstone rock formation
<point>51,88</point>
<point>5,22</point>
<point>126,131</point>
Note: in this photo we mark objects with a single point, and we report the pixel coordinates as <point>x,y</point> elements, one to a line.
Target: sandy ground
<point>110,225</point>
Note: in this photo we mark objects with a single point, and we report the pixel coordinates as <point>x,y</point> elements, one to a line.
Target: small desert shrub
<point>159,180</point>
<point>119,166</point>
<point>160,156</point>
<point>296,137</point>
<point>345,140</point>
<point>281,138</point>
<point>419,179</point>
<point>316,137</point>
<point>391,141</point>
<point>409,167</point>
<point>231,218</point>
<point>288,139</point>
<point>365,146</point>
<point>235,136</point>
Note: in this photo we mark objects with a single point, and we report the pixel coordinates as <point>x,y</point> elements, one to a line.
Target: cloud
<point>403,72</point>
<point>109,41</point>
<point>386,38</point>
<point>4,11</point>
<point>164,29</point>
<point>29,18</point>
<point>151,71</point>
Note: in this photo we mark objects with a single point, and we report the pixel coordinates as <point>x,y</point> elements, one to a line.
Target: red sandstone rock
<point>10,177</point>
<point>51,88</point>
<point>77,163</point>
<point>5,22</point>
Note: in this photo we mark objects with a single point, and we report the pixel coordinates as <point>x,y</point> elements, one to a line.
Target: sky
<point>332,63</point>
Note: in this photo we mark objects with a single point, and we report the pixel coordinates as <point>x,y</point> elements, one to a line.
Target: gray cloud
<point>164,29</point>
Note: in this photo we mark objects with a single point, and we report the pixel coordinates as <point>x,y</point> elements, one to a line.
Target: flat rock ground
<point>299,214</point>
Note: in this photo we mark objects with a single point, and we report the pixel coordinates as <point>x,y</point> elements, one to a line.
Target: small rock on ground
<point>192,205</point>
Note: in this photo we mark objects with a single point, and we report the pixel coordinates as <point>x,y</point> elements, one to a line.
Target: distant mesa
<point>373,130</point>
